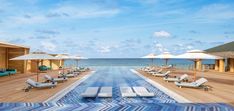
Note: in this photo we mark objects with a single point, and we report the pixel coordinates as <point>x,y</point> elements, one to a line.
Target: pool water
<point>115,77</point>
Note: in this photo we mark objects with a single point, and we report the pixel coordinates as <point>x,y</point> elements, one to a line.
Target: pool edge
<point>66,90</point>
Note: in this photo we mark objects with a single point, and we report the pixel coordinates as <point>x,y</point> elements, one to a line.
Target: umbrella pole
<point>166,61</point>
<point>152,62</point>
<point>77,63</point>
<point>63,69</point>
<point>195,71</point>
<point>63,66</point>
<point>37,70</point>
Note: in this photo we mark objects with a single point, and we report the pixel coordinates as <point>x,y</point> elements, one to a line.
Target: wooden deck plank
<point>12,88</point>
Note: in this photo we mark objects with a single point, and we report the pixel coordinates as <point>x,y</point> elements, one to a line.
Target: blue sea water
<point>134,62</point>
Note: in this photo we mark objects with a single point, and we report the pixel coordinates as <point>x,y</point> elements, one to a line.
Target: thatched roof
<point>225,50</point>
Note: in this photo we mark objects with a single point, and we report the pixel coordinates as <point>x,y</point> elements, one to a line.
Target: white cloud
<point>84,12</point>
<point>104,49</point>
<point>189,47</point>
<point>35,19</point>
<point>48,46</point>
<point>162,34</point>
<point>160,47</point>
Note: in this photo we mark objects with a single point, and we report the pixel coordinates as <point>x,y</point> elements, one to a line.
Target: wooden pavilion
<point>226,51</point>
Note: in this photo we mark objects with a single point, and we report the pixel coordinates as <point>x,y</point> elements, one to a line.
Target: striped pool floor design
<point>115,107</point>
<point>115,77</point>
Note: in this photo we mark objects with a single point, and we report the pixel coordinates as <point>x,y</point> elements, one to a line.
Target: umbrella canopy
<point>37,57</point>
<point>166,56</point>
<point>62,56</point>
<point>197,55</point>
<point>150,56</point>
<point>34,57</point>
<point>77,57</point>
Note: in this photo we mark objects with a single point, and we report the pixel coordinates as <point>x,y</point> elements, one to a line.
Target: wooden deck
<point>12,88</point>
<point>222,87</point>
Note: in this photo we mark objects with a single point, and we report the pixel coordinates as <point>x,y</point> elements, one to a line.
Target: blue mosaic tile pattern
<point>115,107</point>
<point>115,77</point>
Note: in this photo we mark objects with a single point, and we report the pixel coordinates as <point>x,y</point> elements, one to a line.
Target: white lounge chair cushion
<point>40,85</point>
<point>31,82</point>
<point>171,79</point>
<point>184,76</point>
<point>155,72</point>
<point>59,79</point>
<point>90,92</point>
<point>54,79</point>
<point>197,83</point>
<point>200,81</point>
<point>162,74</point>
<point>143,92</point>
<point>70,75</point>
<point>127,92</point>
<point>105,92</point>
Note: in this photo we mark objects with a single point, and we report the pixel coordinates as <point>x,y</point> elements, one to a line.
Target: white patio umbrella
<point>62,57</point>
<point>166,56</point>
<point>196,55</point>
<point>150,56</point>
<point>38,57</point>
<point>77,58</point>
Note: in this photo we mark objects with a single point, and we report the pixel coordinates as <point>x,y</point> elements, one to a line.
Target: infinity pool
<point>115,77</point>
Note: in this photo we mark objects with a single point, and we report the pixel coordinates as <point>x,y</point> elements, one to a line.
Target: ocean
<point>133,62</point>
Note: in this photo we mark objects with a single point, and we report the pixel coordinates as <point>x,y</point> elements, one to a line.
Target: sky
<point>117,28</point>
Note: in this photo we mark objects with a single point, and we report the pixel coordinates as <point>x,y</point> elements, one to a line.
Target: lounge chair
<point>143,92</point>
<point>167,67</point>
<point>105,92</point>
<point>34,84</point>
<point>69,75</point>
<point>127,92</point>
<point>146,69</point>
<point>162,74</point>
<point>49,78</point>
<point>4,73</point>
<point>198,83</point>
<point>11,71</point>
<point>90,92</point>
<point>154,72</point>
<point>176,79</point>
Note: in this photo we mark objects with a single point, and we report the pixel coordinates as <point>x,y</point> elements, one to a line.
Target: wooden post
<point>216,65</point>
<point>221,65</point>
<point>7,58</point>
<point>195,70</point>
<point>199,65</point>
<point>51,64</point>
<point>60,63</point>
<point>231,65</point>
<point>25,62</point>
